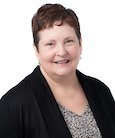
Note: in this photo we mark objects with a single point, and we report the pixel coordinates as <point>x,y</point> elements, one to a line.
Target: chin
<point>63,73</point>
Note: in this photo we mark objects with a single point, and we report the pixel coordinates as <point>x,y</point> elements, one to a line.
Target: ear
<point>80,44</point>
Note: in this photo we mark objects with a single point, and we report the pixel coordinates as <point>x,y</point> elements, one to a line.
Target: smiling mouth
<point>62,62</point>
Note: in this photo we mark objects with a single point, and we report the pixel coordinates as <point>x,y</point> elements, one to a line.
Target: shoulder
<point>99,88</point>
<point>17,95</point>
<point>20,90</point>
<point>92,81</point>
<point>22,94</point>
<point>97,83</point>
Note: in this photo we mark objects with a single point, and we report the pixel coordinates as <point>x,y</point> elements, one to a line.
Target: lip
<point>62,61</point>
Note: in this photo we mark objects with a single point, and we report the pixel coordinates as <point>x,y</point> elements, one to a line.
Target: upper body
<point>31,108</point>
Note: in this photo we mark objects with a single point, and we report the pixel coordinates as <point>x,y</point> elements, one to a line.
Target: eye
<point>49,44</point>
<point>70,41</point>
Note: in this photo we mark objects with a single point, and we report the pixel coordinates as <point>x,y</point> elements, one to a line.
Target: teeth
<point>61,62</point>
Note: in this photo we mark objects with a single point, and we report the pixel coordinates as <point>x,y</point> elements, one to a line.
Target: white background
<point>17,59</point>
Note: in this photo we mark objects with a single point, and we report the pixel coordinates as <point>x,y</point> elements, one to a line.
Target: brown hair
<point>48,14</point>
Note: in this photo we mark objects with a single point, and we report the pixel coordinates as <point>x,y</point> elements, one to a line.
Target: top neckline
<point>87,107</point>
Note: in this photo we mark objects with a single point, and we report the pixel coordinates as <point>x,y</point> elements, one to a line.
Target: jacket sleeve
<point>110,104</point>
<point>9,118</point>
<point>8,127</point>
<point>106,98</point>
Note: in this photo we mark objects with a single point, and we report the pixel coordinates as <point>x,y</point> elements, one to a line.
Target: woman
<point>56,100</point>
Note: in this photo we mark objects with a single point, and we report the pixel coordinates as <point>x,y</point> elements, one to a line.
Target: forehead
<point>57,31</point>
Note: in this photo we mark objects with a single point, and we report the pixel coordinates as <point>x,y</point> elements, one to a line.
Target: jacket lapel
<point>93,92</point>
<point>52,116</point>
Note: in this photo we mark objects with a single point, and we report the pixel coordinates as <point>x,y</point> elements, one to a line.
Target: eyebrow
<point>69,37</point>
<point>66,38</point>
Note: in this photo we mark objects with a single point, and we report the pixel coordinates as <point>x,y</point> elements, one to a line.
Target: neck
<point>63,85</point>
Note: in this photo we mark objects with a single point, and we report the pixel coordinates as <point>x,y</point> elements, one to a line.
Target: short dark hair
<point>48,14</point>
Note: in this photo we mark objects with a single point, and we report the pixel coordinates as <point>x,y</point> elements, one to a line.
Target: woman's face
<point>58,51</point>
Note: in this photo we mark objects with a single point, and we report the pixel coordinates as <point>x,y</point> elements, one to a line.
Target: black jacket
<point>29,110</point>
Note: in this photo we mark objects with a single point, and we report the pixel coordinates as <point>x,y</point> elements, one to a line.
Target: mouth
<point>62,61</point>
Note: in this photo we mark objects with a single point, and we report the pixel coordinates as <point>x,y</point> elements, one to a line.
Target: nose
<point>61,50</point>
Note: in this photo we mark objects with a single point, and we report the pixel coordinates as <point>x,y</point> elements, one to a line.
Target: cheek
<point>46,56</point>
<point>75,53</point>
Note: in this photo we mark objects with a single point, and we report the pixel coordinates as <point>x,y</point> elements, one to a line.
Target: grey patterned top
<point>81,126</point>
